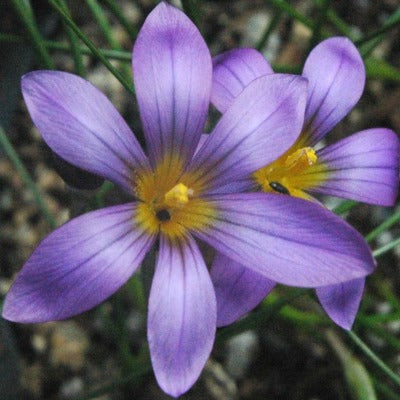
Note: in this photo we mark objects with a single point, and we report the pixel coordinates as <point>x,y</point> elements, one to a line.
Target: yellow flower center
<point>293,173</point>
<point>170,201</point>
<point>178,196</point>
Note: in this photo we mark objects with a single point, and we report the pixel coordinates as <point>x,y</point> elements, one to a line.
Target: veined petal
<point>78,266</point>
<point>172,72</point>
<point>362,167</point>
<point>336,76</point>
<point>232,72</point>
<point>243,185</point>
<point>182,315</point>
<point>262,123</point>
<point>81,125</point>
<point>287,240</point>
<point>238,289</point>
<point>202,140</point>
<point>341,301</point>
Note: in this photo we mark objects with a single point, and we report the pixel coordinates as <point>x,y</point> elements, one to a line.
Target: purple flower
<point>363,167</point>
<point>178,195</point>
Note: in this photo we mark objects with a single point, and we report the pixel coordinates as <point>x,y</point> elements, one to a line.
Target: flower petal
<point>244,185</point>
<point>238,289</point>
<point>232,72</point>
<point>336,76</point>
<point>182,316</point>
<point>341,301</point>
<point>262,123</point>
<point>78,266</point>
<point>81,125</point>
<point>288,240</point>
<point>172,72</point>
<point>363,167</point>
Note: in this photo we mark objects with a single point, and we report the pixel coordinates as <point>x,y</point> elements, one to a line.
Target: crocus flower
<point>178,194</point>
<point>362,167</point>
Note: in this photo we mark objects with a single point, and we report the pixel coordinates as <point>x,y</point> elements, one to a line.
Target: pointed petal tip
<point>172,73</point>
<point>100,251</point>
<point>68,110</point>
<point>341,302</point>
<point>337,76</point>
<point>238,289</point>
<point>233,70</point>
<point>182,316</point>
<point>363,167</point>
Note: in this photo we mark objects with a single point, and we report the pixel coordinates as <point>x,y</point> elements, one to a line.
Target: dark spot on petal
<point>279,188</point>
<point>163,215</point>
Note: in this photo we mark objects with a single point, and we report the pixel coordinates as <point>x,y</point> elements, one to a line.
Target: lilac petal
<point>81,125</point>
<point>78,266</point>
<point>262,123</point>
<point>172,72</point>
<point>288,240</point>
<point>232,72</point>
<point>336,76</point>
<point>182,316</point>
<point>236,186</point>
<point>341,301</point>
<point>202,140</point>
<point>363,167</point>
<point>238,289</point>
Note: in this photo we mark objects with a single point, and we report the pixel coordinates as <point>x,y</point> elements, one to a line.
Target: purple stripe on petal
<point>262,123</point>
<point>363,167</point>
<point>234,186</point>
<point>202,140</point>
<point>81,125</point>
<point>336,76</point>
<point>238,289</point>
<point>78,266</point>
<point>182,316</point>
<point>341,301</point>
<point>287,240</point>
<point>172,72</point>
<point>232,72</point>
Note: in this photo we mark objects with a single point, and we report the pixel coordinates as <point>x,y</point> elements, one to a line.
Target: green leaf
<point>357,377</point>
<point>379,69</point>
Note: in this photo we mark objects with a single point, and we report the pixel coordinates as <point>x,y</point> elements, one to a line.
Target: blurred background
<point>287,349</point>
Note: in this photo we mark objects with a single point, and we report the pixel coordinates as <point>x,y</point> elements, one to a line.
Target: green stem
<point>389,24</point>
<point>116,10</point>
<point>91,46</point>
<point>25,176</point>
<point>374,358</point>
<point>73,40</point>
<point>324,7</point>
<point>25,12</point>
<point>142,368</point>
<point>344,206</point>
<point>192,10</point>
<point>387,247</point>
<point>106,30</point>
<point>387,392</point>
<point>291,11</point>
<point>268,31</point>
<point>339,24</point>
<point>54,45</point>
<point>384,226</point>
<point>257,319</point>
<point>104,189</point>
<point>101,20</point>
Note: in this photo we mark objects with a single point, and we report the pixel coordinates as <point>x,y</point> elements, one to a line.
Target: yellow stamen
<point>301,159</point>
<point>293,173</point>
<point>178,196</point>
<point>170,200</point>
